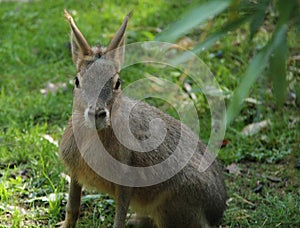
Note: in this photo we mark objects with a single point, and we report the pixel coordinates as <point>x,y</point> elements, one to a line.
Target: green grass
<point>34,50</point>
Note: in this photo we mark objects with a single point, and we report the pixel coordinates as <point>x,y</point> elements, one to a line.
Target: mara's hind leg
<point>180,216</point>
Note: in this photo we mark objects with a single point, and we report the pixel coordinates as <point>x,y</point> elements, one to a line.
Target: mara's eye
<point>118,83</point>
<point>76,82</point>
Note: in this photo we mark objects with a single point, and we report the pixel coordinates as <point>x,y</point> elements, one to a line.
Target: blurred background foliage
<point>272,58</point>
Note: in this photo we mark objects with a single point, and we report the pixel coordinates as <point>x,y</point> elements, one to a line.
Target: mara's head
<point>97,82</point>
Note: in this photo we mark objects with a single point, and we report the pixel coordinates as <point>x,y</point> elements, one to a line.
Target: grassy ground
<point>261,175</point>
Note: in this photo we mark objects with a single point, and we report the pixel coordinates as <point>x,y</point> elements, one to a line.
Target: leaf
<point>258,17</point>
<point>253,71</point>
<point>297,91</point>
<point>50,139</point>
<point>258,188</point>
<point>277,72</point>
<point>211,39</point>
<point>254,128</point>
<point>297,30</point>
<point>233,169</point>
<point>285,10</point>
<point>255,24</point>
<point>274,179</point>
<point>192,18</point>
<point>289,14</point>
<point>92,197</point>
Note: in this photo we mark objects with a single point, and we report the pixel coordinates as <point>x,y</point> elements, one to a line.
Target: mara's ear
<point>117,43</point>
<point>80,48</point>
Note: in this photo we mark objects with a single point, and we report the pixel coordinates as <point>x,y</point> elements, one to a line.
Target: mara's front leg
<point>122,198</point>
<point>73,205</point>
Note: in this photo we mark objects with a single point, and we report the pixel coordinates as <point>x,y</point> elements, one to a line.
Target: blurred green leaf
<point>258,17</point>
<point>192,18</point>
<point>253,71</point>
<point>212,39</point>
<point>277,70</point>
<point>285,10</point>
<point>297,91</point>
<point>272,56</point>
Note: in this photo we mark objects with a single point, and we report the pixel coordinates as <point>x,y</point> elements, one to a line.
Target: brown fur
<point>189,199</point>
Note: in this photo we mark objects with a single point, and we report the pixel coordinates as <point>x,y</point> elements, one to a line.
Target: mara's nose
<point>98,113</point>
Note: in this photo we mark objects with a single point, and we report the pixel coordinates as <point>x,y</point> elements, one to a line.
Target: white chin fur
<point>87,120</point>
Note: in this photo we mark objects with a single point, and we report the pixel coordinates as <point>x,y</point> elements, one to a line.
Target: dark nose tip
<point>98,113</point>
